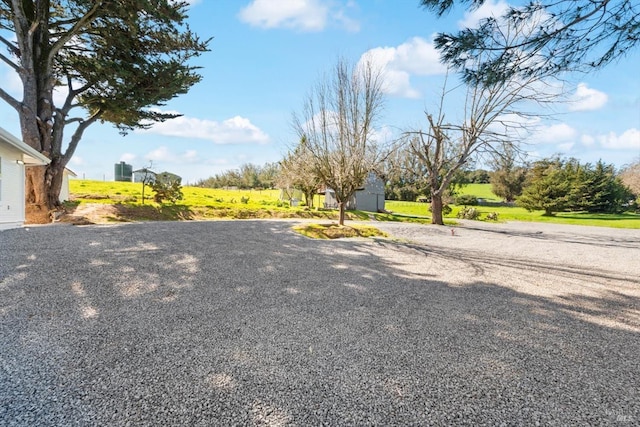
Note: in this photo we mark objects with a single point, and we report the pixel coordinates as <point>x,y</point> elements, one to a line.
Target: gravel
<point>247,323</point>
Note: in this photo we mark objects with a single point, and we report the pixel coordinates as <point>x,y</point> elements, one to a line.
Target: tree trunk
<point>308,198</point>
<point>42,191</point>
<point>53,181</point>
<point>341,206</point>
<point>436,208</point>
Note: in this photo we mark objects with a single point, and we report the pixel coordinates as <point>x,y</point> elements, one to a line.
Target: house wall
<point>11,188</point>
<point>64,190</point>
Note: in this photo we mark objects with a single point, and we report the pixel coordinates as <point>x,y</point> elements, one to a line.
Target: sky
<point>267,54</point>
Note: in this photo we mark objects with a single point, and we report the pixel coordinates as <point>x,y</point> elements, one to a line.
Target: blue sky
<point>266,54</point>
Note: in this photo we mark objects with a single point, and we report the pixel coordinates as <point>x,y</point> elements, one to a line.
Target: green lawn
<point>626,220</point>
<point>481,191</point>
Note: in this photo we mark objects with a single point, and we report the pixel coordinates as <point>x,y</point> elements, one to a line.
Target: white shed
<point>14,155</point>
<point>368,198</point>
<point>64,190</point>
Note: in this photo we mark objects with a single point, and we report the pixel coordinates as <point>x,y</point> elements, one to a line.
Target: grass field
<point>481,191</point>
<point>206,203</point>
<point>128,192</point>
<point>199,203</point>
<point>505,213</point>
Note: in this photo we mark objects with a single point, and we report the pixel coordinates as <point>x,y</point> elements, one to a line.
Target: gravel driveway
<point>247,323</point>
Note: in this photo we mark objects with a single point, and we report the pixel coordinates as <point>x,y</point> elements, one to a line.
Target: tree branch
<point>11,46</point>
<point>9,62</point>
<point>77,135</point>
<point>10,100</point>
<point>80,23</point>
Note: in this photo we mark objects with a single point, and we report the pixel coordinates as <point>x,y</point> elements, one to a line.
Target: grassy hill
<point>99,201</point>
<point>109,201</point>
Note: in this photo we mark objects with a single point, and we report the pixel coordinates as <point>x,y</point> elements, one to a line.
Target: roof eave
<point>30,156</point>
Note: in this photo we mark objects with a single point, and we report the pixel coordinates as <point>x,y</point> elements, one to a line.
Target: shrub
<point>469,213</point>
<point>244,200</point>
<point>170,190</point>
<point>466,200</point>
<point>492,216</point>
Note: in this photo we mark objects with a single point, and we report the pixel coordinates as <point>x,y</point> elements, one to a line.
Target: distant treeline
<point>248,176</point>
<point>552,184</point>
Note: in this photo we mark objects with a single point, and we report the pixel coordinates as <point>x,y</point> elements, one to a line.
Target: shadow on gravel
<point>481,263</point>
<point>247,323</point>
<point>629,242</point>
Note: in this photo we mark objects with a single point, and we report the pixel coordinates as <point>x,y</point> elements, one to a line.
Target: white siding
<point>64,190</point>
<point>12,190</point>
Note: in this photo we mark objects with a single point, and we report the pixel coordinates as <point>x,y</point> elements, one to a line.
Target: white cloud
<point>587,99</point>
<point>630,139</point>
<point>488,9</point>
<point>416,57</point>
<point>190,155</point>
<point>587,140</point>
<point>160,154</point>
<point>128,157</point>
<point>382,135</point>
<point>76,161</point>
<point>301,15</point>
<point>163,154</point>
<point>236,130</point>
<point>560,133</point>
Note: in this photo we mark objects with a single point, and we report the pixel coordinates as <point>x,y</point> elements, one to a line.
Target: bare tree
<point>297,171</point>
<point>630,176</point>
<point>338,121</point>
<point>498,109</point>
<point>508,177</point>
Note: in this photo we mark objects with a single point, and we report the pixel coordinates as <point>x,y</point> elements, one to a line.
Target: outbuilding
<point>369,198</point>
<point>14,156</point>
<point>64,190</point>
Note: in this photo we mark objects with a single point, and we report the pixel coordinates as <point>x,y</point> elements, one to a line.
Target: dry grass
<point>336,231</point>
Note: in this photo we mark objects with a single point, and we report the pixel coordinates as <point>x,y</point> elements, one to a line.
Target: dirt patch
<point>88,213</point>
<point>37,214</point>
<point>101,213</point>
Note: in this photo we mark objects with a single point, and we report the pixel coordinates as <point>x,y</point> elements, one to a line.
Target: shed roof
<point>31,155</point>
